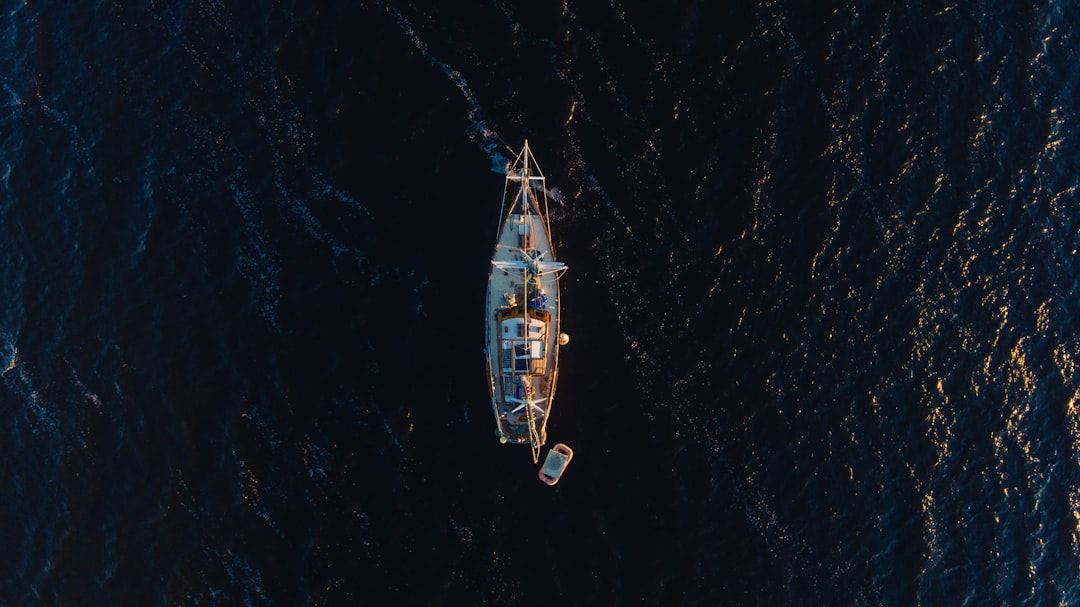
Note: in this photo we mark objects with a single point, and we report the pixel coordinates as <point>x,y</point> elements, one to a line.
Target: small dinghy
<point>555,464</point>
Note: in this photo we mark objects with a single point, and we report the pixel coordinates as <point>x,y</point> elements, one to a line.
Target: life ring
<point>522,418</point>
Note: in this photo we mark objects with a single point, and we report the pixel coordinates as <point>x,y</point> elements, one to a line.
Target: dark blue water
<point>822,302</point>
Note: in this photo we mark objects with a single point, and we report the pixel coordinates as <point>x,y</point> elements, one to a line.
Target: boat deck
<point>521,232</point>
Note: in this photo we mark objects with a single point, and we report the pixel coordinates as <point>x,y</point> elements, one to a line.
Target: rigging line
<point>524,236</point>
<point>512,151</point>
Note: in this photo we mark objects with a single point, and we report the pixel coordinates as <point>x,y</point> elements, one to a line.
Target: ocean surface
<point>822,299</point>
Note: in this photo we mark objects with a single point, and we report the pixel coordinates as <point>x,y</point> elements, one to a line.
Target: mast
<point>534,437</point>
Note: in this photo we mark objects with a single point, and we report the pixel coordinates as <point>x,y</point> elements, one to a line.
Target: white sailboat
<point>521,328</point>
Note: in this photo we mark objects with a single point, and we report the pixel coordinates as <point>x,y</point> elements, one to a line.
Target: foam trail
<point>12,363</point>
<point>328,189</point>
<point>479,132</point>
<point>261,264</point>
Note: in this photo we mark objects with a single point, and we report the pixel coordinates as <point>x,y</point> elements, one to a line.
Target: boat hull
<point>522,317</point>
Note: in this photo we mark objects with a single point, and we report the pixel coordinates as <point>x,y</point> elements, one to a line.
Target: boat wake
<point>479,131</point>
